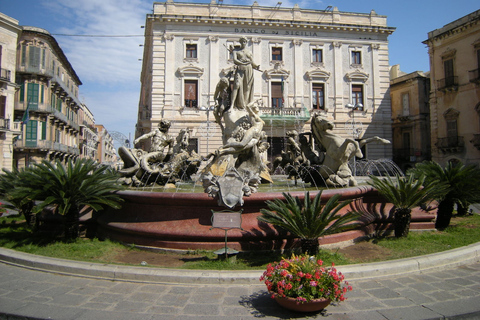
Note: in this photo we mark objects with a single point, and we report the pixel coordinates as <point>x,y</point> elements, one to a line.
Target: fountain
<point>233,175</point>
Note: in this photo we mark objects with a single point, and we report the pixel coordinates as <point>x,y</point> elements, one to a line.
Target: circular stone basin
<point>183,221</point>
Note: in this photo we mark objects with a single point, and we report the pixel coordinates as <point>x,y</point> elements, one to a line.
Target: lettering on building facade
<point>285,32</point>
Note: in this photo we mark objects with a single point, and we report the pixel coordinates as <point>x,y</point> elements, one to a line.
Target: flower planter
<point>312,306</point>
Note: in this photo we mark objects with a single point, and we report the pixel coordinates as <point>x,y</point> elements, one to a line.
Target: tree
<point>9,181</point>
<point>309,220</point>
<point>69,188</point>
<point>463,186</point>
<point>405,193</point>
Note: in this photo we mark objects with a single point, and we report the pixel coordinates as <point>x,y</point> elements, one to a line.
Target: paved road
<point>29,294</point>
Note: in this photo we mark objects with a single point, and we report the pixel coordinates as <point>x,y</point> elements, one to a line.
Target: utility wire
<point>97,36</point>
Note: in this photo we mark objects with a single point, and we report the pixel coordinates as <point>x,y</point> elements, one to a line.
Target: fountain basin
<point>182,221</point>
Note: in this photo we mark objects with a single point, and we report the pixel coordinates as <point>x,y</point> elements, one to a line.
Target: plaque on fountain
<point>227,220</point>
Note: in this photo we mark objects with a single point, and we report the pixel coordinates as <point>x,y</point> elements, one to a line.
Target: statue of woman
<point>243,79</point>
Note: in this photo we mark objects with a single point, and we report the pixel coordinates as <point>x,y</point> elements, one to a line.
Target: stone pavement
<point>447,291</point>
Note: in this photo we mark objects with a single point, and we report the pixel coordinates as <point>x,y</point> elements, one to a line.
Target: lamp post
<point>355,128</point>
<point>207,131</point>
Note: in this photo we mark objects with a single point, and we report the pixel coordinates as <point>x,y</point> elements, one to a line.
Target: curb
<point>446,259</point>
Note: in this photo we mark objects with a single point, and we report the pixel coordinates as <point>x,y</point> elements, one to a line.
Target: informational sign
<point>227,220</point>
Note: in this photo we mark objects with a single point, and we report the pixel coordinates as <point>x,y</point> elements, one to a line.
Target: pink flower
<point>313,283</point>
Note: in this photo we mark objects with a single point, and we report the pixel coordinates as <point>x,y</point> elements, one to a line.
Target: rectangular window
<point>59,104</point>
<point>43,58</point>
<point>277,95</point>
<point>357,96</point>
<point>191,51</point>
<point>406,104</point>
<point>317,55</point>
<point>277,54</point>
<point>3,106</point>
<point>191,96</point>
<point>33,93</point>
<point>34,56</point>
<point>356,57</point>
<point>192,145</point>
<point>31,131</point>
<point>318,96</point>
<point>24,55</point>
<point>449,72</point>
<point>452,133</point>
<point>406,142</point>
<point>44,130</point>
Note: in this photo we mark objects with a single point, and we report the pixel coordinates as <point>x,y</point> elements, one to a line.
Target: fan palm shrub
<point>69,188</point>
<point>405,193</point>
<point>9,181</point>
<point>463,186</point>
<point>309,220</point>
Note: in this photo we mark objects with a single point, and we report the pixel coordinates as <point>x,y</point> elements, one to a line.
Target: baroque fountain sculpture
<point>183,220</point>
<point>236,168</point>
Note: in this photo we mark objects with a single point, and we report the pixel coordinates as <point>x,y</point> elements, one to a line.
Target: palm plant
<point>463,186</point>
<point>309,219</point>
<point>9,181</point>
<point>405,193</point>
<point>70,188</point>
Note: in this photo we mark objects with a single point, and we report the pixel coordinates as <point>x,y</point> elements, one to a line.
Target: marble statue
<point>236,168</point>
<point>338,152</point>
<point>167,160</point>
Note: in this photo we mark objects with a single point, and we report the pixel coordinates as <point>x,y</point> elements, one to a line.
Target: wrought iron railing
<point>474,75</point>
<point>5,74</point>
<point>447,83</point>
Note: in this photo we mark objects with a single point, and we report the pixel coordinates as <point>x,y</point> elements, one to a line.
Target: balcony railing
<point>474,75</point>
<point>46,145</point>
<point>5,75</point>
<point>275,116</point>
<point>448,84</point>
<point>4,124</point>
<point>476,141</point>
<point>453,144</point>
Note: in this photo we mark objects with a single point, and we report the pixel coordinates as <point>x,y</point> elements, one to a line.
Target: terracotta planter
<point>312,306</point>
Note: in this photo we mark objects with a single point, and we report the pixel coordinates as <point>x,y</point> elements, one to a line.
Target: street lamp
<point>207,131</point>
<point>354,128</point>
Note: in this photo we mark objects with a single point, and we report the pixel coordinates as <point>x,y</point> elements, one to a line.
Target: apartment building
<point>46,103</point>
<point>9,130</point>
<point>454,52</point>
<point>311,61</point>
<point>88,133</point>
<point>105,148</point>
<point>411,117</point>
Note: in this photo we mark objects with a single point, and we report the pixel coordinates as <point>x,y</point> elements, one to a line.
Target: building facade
<point>454,52</point>
<point>88,133</point>
<point>411,117</point>
<point>311,61</point>
<point>46,103</point>
<point>9,34</point>
<point>105,149</point>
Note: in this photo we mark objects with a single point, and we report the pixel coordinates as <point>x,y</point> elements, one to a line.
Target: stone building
<point>411,117</point>
<point>9,34</point>
<point>88,133</point>
<point>311,61</point>
<point>454,52</point>
<point>105,148</point>
<point>46,103</point>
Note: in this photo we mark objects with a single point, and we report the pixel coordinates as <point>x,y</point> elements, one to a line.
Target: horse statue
<point>338,152</point>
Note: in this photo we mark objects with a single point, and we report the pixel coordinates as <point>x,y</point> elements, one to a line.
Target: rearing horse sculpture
<point>338,152</point>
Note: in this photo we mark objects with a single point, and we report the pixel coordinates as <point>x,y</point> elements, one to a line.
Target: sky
<point>102,39</point>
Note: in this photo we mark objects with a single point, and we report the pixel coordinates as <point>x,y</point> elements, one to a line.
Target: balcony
<point>448,84</point>
<point>476,141</point>
<point>454,144</point>
<point>284,116</point>
<point>4,124</point>
<point>474,76</point>
<point>5,75</point>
